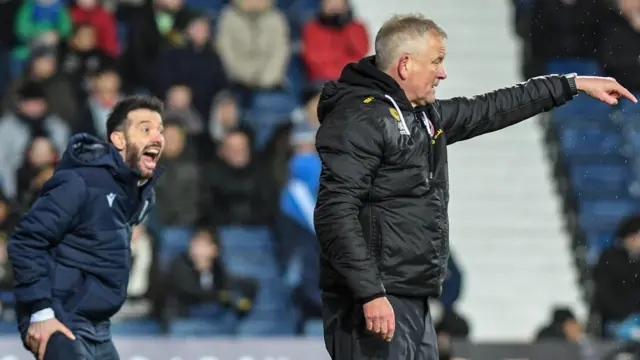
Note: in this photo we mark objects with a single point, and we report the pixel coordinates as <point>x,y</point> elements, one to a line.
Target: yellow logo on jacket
<point>368,100</point>
<point>394,113</point>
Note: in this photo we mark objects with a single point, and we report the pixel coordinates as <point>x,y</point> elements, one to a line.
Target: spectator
<point>46,21</point>
<point>30,120</point>
<point>253,42</point>
<point>278,150</point>
<point>8,39</point>
<point>563,327</point>
<point>40,154</point>
<point>333,40</point>
<point>42,176</point>
<point>80,58</point>
<point>177,192</point>
<point>152,27</point>
<point>139,302</point>
<point>193,63</point>
<point>617,280</point>
<point>619,42</point>
<point>178,102</point>
<point>105,93</point>
<point>564,29</point>
<point>8,219</point>
<point>225,116</point>
<point>106,30</point>
<point>235,191</point>
<point>59,92</point>
<point>198,277</point>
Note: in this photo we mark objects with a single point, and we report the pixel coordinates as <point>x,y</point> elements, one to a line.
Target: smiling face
<point>141,141</point>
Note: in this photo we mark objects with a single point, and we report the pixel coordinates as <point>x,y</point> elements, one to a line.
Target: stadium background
<point>226,267</point>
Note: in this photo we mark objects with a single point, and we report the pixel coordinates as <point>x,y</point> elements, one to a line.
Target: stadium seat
<point>181,328</point>
<point>135,327</point>
<point>567,66</point>
<point>274,323</point>
<point>246,237</point>
<point>589,140</point>
<point>600,180</point>
<point>603,215</point>
<point>8,328</point>
<point>211,7</point>
<point>313,328</point>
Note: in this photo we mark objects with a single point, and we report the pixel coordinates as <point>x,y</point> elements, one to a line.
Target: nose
<point>158,137</point>
<point>442,74</point>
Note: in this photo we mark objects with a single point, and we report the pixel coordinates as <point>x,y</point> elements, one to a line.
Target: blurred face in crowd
<point>171,5</point>
<point>106,89</point>
<point>33,108</point>
<point>41,152</point>
<point>255,5</point>
<point>227,113</point>
<point>84,38</point>
<point>43,176</point>
<point>632,243</point>
<point>419,72</point>
<point>87,4</point>
<point>4,211</point>
<point>312,110</point>
<point>334,7</point>
<point>174,139</point>
<point>179,97</point>
<point>235,150</point>
<point>202,250</point>
<point>43,67</point>
<point>198,32</point>
<point>141,141</point>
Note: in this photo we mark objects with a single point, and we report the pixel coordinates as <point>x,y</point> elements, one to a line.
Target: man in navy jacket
<point>71,252</point>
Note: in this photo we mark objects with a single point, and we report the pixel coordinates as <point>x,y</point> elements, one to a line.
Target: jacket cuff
<point>569,85</point>
<point>365,300</point>
<point>40,305</point>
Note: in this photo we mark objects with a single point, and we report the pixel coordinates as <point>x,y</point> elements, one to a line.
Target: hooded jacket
<point>381,215</point>
<point>71,251</point>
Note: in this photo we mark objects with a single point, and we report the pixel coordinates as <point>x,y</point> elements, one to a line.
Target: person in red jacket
<point>332,40</point>
<point>90,11</point>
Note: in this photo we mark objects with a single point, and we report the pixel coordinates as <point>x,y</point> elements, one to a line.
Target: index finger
<point>626,93</point>
<point>42,348</point>
<point>64,330</point>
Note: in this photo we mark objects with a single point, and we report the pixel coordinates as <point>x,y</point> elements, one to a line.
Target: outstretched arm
<point>465,118</point>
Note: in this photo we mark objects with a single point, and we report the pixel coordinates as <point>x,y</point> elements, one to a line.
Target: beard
<point>134,155</point>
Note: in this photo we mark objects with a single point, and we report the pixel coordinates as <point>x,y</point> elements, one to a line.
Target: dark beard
<point>133,156</point>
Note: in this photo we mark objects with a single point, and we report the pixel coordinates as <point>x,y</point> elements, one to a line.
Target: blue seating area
<point>598,147</point>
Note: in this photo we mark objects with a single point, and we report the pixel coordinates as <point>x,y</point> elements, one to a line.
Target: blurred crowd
<point>231,241</point>
<point>595,152</point>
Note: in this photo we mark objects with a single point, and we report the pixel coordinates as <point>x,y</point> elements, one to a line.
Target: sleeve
<point>465,118</point>
<point>65,24</point>
<point>350,150</point>
<point>357,39</point>
<point>40,229</point>
<point>274,70</point>
<point>25,28</point>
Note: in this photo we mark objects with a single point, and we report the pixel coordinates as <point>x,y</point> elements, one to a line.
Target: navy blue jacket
<point>71,251</point>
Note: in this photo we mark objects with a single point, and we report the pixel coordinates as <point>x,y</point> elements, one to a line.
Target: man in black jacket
<point>381,215</point>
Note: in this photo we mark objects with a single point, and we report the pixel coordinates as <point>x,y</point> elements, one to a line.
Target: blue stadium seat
<point>274,323</point>
<point>604,215</point>
<point>8,328</point>
<point>600,180</point>
<point>589,140</point>
<point>211,7</point>
<point>249,251</point>
<point>582,67</point>
<point>235,237</point>
<point>313,328</point>
<point>200,328</point>
<point>135,327</point>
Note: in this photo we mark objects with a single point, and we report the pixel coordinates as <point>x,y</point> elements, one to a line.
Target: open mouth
<point>150,158</point>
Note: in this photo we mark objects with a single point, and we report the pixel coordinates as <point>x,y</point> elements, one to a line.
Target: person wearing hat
<point>30,118</point>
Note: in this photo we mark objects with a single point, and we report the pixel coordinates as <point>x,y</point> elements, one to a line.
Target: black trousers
<point>346,336</point>
<point>60,347</point>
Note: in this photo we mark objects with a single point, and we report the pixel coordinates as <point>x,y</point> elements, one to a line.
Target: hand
<point>380,318</point>
<point>604,89</point>
<point>39,333</point>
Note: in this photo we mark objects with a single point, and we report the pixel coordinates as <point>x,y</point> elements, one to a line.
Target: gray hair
<point>400,34</point>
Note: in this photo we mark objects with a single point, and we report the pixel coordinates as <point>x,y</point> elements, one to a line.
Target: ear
<point>117,139</point>
<point>403,67</point>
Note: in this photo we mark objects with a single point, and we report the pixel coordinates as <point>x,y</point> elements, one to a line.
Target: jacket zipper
<point>431,156</point>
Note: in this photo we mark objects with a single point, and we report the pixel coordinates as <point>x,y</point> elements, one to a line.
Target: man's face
<point>236,151</point>
<point>33,108</point>
<point>87,4</point>
<point>421,72</point>
<point>227,113</point>
<point>44,67</point>
<point>334,7</point>
<point>198,32</point>
<point>106,89</point>
<point>144,141</point>
<point>179,97</point>
<point>85,38</point>
<point>174,141</point>
<point>632,243</point>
